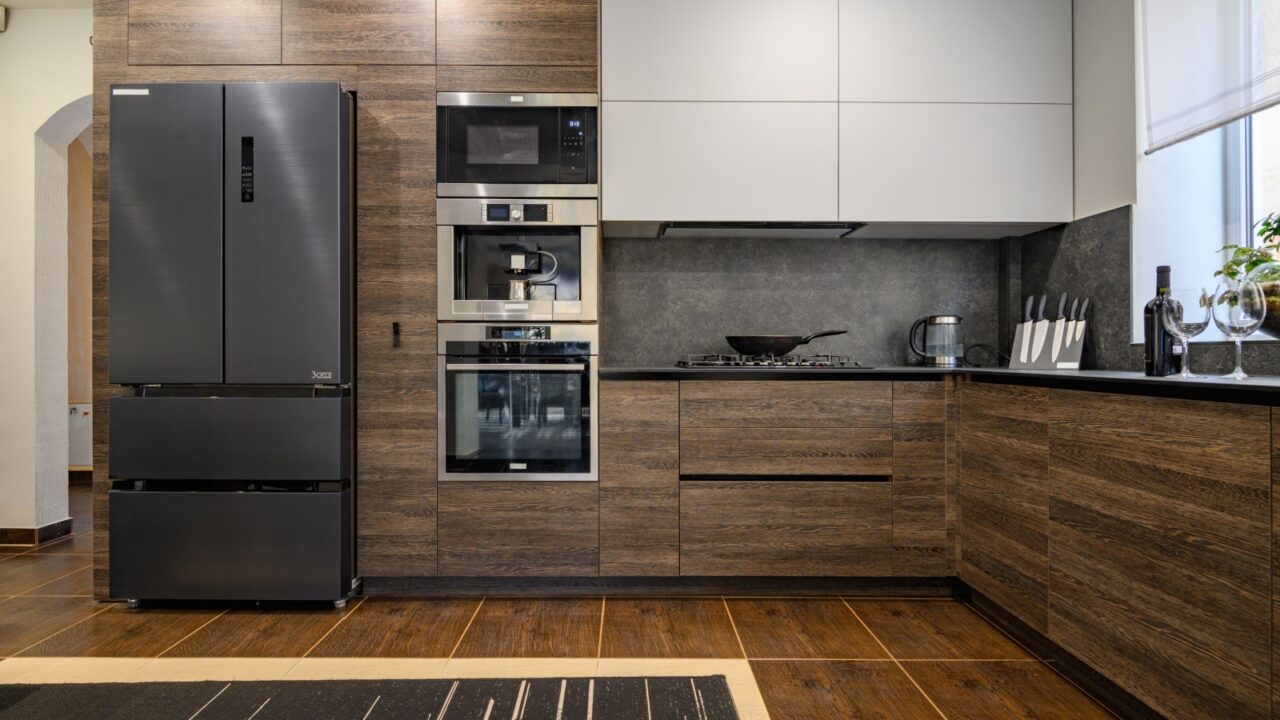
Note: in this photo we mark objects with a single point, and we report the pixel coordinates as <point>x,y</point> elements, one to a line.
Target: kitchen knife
<point>1070,338</point>
<point>1084,308</point>
<point>1059,327</point>
<point>1042,331</point>
<point>1026,329</point>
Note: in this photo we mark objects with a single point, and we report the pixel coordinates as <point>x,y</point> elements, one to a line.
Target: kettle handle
<point>917,349</point>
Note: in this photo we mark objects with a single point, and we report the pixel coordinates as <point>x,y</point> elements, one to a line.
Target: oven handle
<point>536,367</point>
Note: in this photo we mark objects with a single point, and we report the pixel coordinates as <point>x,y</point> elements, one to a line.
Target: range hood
<point>799,230</point>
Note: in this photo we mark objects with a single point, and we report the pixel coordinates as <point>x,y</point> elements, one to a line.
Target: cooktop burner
<point>771,361</point>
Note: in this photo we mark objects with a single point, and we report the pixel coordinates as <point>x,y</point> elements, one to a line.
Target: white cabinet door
<point>718,161</point>
<point>760,50</point>
<point>955,163</point>
<point>992,51</point>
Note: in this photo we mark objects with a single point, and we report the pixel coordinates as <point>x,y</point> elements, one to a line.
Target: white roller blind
<point>1207,63</point>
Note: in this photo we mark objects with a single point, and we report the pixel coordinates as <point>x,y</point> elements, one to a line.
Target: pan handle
<point>824,333</point>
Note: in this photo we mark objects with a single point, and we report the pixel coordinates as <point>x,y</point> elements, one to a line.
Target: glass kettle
<point>940,344</point>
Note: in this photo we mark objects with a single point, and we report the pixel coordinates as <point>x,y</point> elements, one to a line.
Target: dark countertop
<point>1263,390</point>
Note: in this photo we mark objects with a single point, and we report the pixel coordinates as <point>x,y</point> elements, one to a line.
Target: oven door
<point>518,420</point>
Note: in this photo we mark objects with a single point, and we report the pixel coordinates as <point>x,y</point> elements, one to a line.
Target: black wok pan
<point>774,344</point>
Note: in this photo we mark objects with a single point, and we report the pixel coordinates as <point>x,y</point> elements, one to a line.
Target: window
<point>1263,171</point>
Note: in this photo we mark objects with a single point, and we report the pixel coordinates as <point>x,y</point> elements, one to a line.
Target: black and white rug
<point>607,698</point>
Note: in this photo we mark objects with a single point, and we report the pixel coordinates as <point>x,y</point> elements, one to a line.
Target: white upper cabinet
<point>719,50</point>
<point>955,163</point>
<point>719,161</point>
<point>986,51</point>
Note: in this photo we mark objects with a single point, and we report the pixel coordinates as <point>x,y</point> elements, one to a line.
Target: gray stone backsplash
<point>666,298</point>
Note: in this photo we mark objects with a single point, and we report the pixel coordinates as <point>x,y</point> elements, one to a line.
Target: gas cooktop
<point>771,361</point>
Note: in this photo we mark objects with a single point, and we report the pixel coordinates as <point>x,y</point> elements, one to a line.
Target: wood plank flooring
<point>817,657</point>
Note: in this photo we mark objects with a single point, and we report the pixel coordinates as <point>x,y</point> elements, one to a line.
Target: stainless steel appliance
<point>516,145</point>
<point>518,259</point>
<point>942,344</point>
<point>518,402</point>
<point>840,362</point>
<point>232,461</point>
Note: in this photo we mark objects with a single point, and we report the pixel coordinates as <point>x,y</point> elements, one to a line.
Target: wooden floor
<point>835,658</point>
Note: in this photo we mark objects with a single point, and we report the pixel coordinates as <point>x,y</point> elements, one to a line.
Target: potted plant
<point>1259,264</point>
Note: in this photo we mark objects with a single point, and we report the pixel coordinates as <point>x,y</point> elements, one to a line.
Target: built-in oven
<point>517,259</point>
<point>518,402</point>
<point>516,145</point>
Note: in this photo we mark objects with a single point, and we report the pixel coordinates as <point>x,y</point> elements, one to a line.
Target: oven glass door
<point>500,145</point>
<point>517,421</point>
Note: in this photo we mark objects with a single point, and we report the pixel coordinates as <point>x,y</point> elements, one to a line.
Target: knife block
<point>1068,338</point>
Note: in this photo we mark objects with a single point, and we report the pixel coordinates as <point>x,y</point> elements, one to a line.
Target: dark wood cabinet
<point>639,478</point>
<point>1004,501</point>
<point>786,528</point>
<point>1159,548</point>
<point>515,529</point>
<point>517,32</point>
<point>920,479</point>
<point>369,32</point>
<point>182,32</point>
<point>786,404</point>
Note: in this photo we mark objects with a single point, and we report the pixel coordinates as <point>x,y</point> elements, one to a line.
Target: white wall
<point>45,62</point>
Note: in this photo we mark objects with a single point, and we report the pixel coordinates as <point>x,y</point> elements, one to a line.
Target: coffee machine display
<point>516,260</point>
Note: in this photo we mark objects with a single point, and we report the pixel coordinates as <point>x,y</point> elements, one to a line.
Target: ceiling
<point>47,4</point>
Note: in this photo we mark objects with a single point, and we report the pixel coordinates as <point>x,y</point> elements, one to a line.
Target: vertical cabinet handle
<point>395,334</point>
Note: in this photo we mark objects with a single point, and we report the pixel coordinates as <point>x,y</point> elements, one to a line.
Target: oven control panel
<point>512,212</point>
<point>523,332</point>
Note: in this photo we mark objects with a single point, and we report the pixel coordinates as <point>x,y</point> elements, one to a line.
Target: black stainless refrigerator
<point>231,450</point>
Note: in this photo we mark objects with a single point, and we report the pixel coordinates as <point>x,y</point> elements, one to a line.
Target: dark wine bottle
<point>1160,353</point>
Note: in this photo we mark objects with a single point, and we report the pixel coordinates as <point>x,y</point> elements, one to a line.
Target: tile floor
<point>817,658</point>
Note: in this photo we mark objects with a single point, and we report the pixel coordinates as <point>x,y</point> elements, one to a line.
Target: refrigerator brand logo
<point>317,375</point>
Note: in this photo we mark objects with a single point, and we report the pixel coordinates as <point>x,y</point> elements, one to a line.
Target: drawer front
<point>230,546</point>
<point>759,451</point>
<point>786,404</point>
<point>230,438</point>
<point>499,529</point>
<point>786,528</point>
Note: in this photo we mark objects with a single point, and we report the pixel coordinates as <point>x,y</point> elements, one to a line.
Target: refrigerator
<point>231,452</point>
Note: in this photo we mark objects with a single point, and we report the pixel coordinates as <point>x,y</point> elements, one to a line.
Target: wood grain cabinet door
<point>187,32</point>
<point>366,32</point>
<point>639,478</point>
<point>920,479</point>
<point>1160,576</point>
<point>517,32</point>
<point>1004,502</point>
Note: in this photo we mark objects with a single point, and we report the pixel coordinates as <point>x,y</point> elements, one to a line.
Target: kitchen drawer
<point>771,451</point>
<point>786,404</point>
<point>171,438</point>
<point>786,528</point>
<point>523,528</point>
<point>230,545</point>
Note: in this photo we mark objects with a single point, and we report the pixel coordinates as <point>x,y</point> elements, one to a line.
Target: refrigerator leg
<point>339,604</point>
<point>134,603</point>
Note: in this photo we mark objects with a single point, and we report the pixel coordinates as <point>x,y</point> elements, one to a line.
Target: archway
<point>62,144</point>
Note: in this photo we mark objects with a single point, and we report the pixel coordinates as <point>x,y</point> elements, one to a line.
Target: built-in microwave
<point>517,144</point>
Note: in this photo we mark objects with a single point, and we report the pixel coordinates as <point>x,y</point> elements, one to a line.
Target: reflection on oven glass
<point>516,417</point>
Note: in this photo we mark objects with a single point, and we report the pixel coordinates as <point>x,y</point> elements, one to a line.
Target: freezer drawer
<point>252,438</point>
<point>230,546</point>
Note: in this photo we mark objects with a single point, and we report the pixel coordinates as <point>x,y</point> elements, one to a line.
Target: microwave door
<point>501,145</point>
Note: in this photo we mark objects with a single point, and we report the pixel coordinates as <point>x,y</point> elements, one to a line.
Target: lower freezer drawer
<point>231,545</point>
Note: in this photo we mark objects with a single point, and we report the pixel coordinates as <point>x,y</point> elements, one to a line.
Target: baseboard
<point>657,586</point>
<point>80,476</point>
<point>35,536</point>
<point>1106,692</point>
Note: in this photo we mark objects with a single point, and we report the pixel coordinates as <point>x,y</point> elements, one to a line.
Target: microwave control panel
<point>573,145</point>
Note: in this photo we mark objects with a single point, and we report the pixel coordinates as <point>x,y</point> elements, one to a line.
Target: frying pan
<point>774,344</point>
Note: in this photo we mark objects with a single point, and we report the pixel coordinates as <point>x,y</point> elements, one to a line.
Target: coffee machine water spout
<point>521,287</point>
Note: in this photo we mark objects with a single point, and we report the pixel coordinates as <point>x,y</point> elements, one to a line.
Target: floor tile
<point>935,630</point>
<point>668,628</point>
<point>121,632</point>
<point>78,583</point>
<point>839,690</point>
<point>813,629</point>
<point>26,621</point>
<point>980,690</point>
<point>390,628</point>
<point>24,572</point>
<point>533,627</point>
<point>79,544</point>
<point>9,550</point>
<point>260,632</point>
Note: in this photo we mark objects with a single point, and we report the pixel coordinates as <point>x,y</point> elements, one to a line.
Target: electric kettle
<point>940,344</point>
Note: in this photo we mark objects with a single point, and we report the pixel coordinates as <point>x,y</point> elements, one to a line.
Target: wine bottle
<point>1160,353</point>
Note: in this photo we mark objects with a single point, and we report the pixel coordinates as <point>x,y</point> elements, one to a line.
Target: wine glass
<point>1186,315</point>
<point>1238,310</point>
